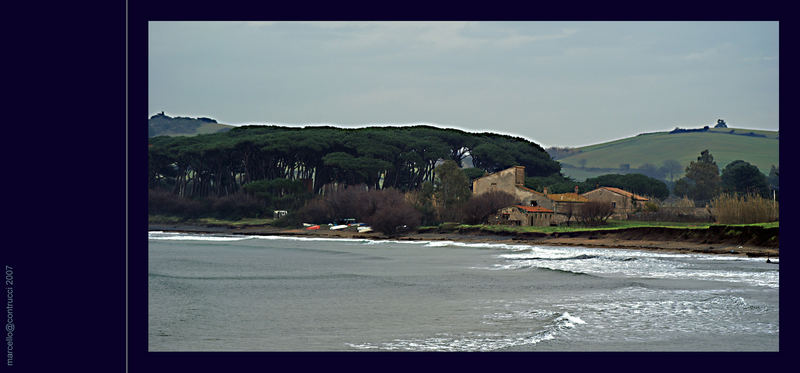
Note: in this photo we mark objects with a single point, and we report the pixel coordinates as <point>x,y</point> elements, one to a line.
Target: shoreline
<point>623,239</point>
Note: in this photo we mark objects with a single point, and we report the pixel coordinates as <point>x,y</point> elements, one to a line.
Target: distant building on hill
<point>721,124</point>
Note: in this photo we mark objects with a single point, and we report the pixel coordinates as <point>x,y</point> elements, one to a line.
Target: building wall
<point>525,197</point>
<point>622,204</point>
<point>511,181</point>
<point>504,180</point>
<point>539,219</point>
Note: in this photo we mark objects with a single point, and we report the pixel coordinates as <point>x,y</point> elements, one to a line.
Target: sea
<point>215,292</point>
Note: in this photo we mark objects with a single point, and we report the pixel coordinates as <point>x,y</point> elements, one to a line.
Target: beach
<point>648,239</point>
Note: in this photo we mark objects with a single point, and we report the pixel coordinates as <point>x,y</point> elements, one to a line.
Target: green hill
<point>757,147</point>
<point>164,125</point>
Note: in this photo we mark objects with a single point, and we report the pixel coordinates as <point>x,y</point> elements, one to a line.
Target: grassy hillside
<point>654,148</point>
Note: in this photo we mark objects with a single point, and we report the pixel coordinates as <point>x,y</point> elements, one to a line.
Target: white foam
<point>569,321</point>
<point>479,245</point>
<point>182,236</point>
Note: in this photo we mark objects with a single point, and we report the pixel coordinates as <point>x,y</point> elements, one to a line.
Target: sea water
<point>268,293</point>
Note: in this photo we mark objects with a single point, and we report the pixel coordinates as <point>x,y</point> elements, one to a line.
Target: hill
<point>164,125</point>
<point>757,147</point>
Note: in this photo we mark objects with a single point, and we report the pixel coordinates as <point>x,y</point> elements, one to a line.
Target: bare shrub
<point>392,219</point>
<point>386,210</point>
<point>316,210</point>
<point>745,209</point>
<point>594,213</point>
<point>479,208</point>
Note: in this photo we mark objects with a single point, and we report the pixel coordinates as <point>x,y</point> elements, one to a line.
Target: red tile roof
<point>533,208</point>
<point>625,193</point>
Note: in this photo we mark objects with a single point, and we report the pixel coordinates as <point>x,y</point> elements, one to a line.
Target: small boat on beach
<point>364,229</point>
<point>313,227</point>
<point>307,224</point>
<point>337,227</point>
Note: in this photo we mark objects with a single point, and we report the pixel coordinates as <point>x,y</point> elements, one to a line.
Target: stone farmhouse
<point>624,202</point>
<point>538,208</point>
<point>543,208</point>
<point>511,181</point>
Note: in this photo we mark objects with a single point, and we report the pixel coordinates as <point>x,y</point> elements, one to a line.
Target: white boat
<point>337,227</point>
<point>307,224</point>
<point>364,229</point>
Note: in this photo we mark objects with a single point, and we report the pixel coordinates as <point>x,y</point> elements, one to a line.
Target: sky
<point>554,83</point>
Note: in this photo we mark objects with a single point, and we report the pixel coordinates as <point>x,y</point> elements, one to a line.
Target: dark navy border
<point>63,155</point>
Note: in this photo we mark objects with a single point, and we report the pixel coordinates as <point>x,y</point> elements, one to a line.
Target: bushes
<point>479,208</point>
<point>234,206</point>
<point>751,208</point>
<point>594,213</point>
<point>385,210</point>
<point>237,206</point>
<point>161,202</point>
<point>390,220</point>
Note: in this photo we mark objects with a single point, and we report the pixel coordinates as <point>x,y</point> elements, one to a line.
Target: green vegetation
<point>379,157</point>
<point>164,125</point>
<point>744,178</point>
<point>655,148</point>
<point>451,189</point>
<point>702,180</point>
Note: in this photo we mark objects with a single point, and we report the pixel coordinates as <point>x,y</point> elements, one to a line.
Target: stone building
<point>523,216</point>
<point>560,207</point>
<point>511,181</point>
<point>566,204</point>
<point>624,202</point>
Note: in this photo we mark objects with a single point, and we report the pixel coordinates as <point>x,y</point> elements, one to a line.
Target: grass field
<point>654,148</point>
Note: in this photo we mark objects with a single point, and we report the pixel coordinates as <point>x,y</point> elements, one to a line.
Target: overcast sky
<point>554,83</point>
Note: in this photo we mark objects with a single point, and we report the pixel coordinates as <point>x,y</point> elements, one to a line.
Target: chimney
<point>545,191</point>
<point>576,189</point>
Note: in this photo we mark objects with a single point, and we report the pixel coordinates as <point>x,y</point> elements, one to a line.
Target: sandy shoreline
<point>593,240</point>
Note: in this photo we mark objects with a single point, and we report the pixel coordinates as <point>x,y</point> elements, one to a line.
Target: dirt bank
<point>724,240</point>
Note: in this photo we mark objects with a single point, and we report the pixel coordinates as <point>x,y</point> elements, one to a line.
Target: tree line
<point>402,158</point>
<point>703,180</point>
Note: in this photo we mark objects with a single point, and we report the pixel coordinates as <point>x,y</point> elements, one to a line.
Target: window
<point>614,204</point>
<point>533,203</point>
